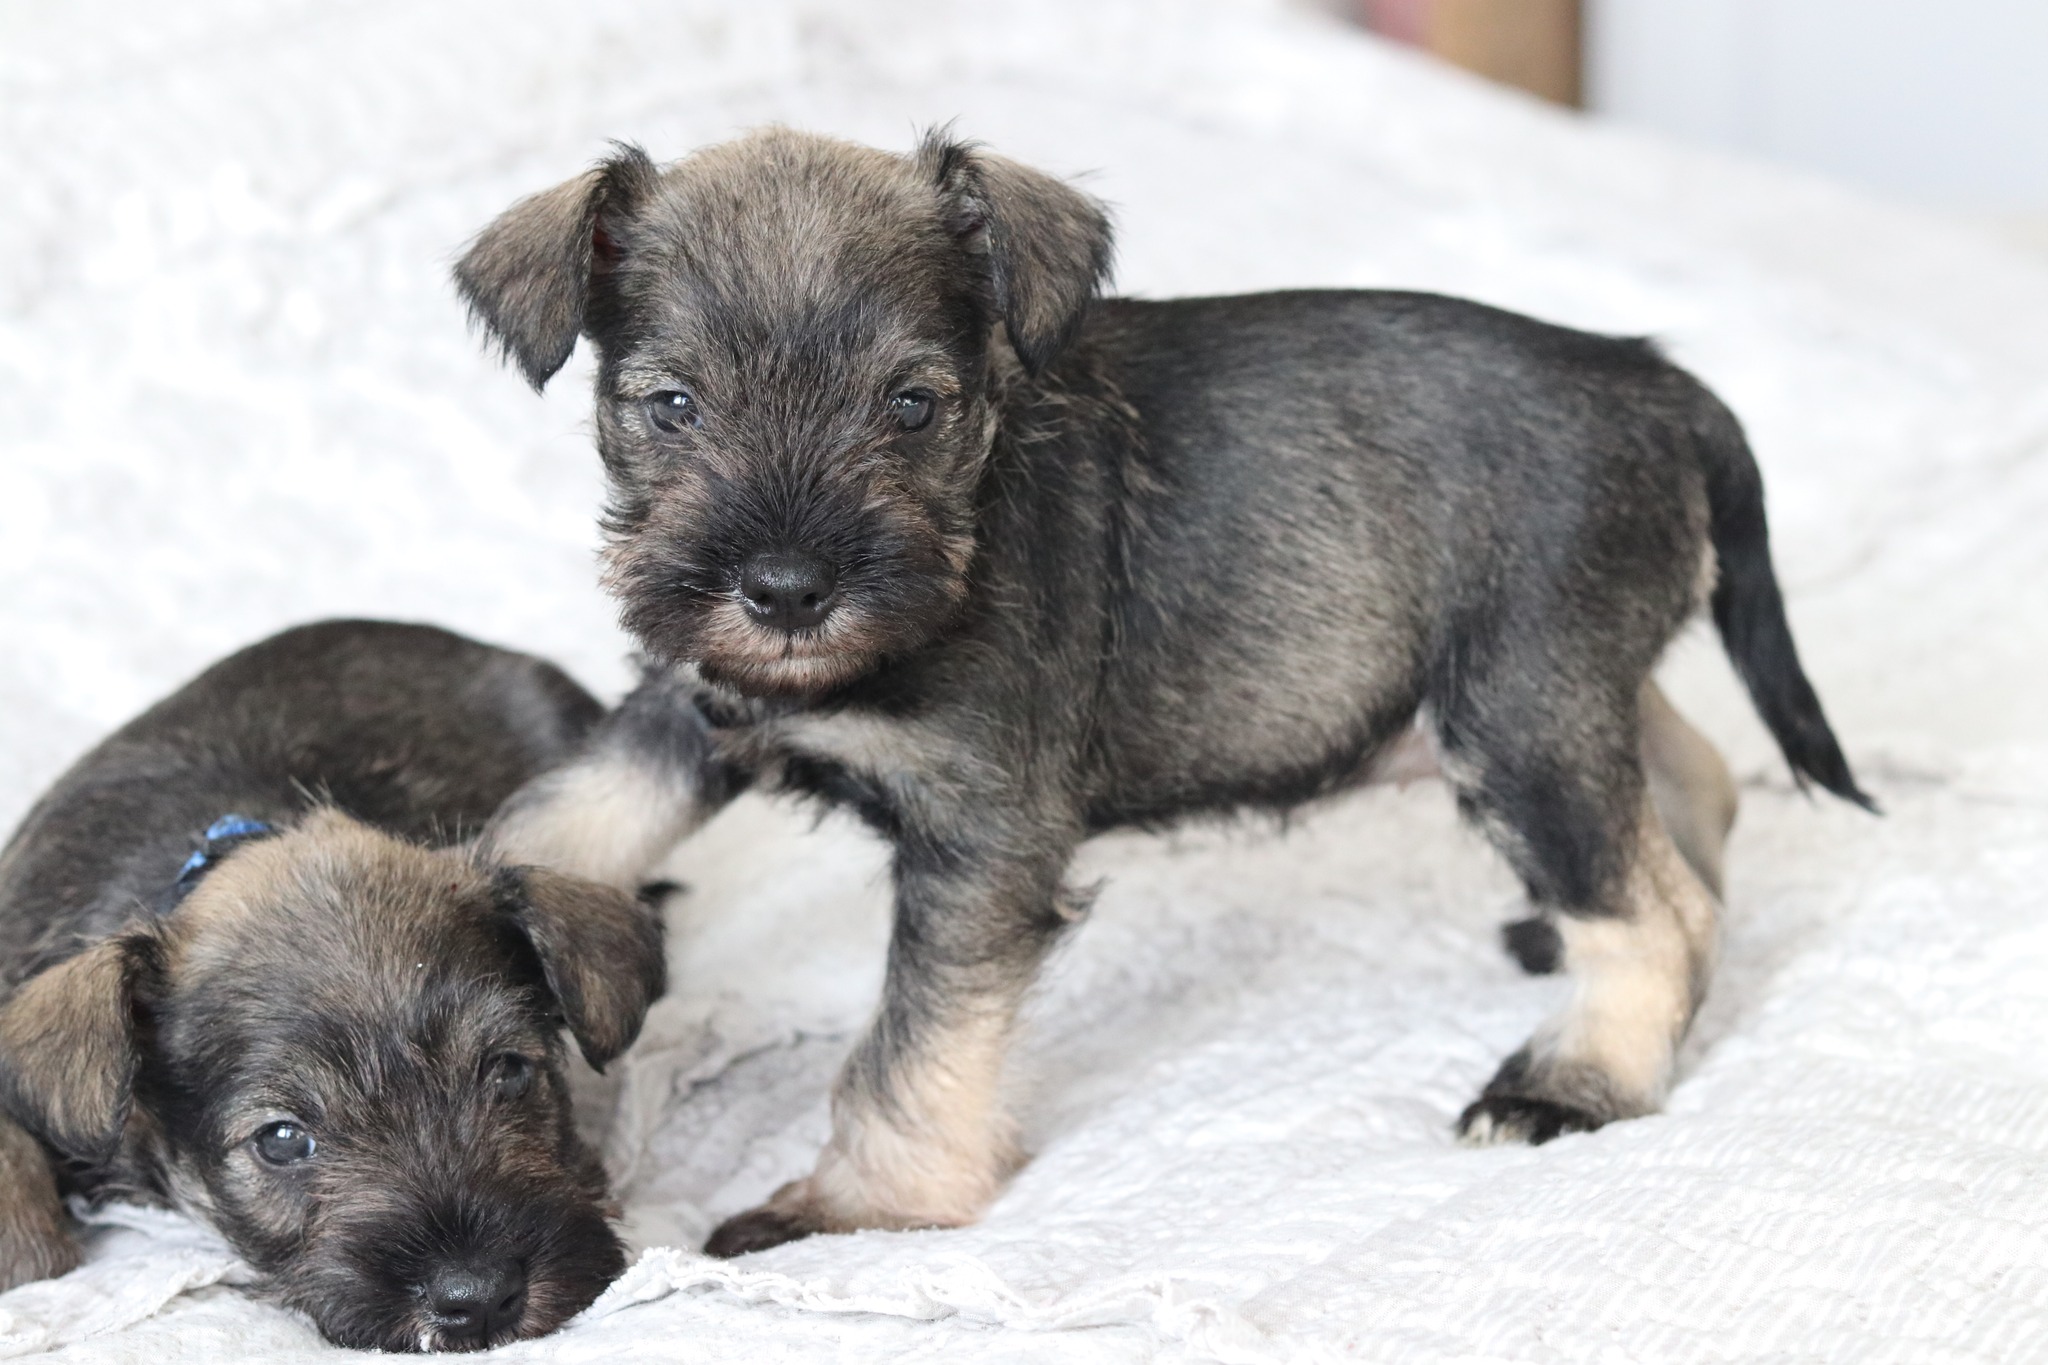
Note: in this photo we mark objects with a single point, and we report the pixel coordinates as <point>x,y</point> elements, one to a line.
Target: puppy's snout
<point>475,1303</point>
<point>788,589</point>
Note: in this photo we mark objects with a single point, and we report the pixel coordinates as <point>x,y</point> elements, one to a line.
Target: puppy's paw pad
<point>656,894</point>
<point>757,1230</point>
<point>1534,944</point>
<point>1493,1119</point>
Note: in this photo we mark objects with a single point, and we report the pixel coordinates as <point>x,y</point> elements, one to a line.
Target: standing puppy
<point>337,1044</point>
<point>909,520</point>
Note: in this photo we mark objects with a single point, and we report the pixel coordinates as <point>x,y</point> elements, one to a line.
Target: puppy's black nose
<point>476,1301</point>
<point>788,589</point>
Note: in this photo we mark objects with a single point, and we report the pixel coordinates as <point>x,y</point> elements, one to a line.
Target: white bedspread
<point>236,392</point>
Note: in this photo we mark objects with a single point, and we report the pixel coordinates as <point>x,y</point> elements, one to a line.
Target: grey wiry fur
<point>354,975</point>
<point>908,519</point>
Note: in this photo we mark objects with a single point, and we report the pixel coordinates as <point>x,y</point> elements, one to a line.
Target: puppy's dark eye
<point>912,409</point>
<point>284,1144</point>
<point>672,411</point>
<point>509,1075</point>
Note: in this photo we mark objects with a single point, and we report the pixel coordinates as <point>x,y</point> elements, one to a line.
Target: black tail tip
<point>1857,797</point>
<point>1836,778</point>
<point>1810,746</point>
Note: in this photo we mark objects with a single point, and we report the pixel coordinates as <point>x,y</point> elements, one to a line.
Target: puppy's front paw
<point>756,1230</point>
<point>786,1217</point>
<point>1492,1119</point>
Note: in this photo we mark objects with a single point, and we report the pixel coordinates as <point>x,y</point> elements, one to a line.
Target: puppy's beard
<point>735,651</point>
<point>363,1283</point>
<point>437,1341</point>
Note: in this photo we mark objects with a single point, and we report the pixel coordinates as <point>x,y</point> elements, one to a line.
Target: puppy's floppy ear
<point>1047,244</point>
<point>527,277</point>
<point>599,948</point>
<point>67,1047</point>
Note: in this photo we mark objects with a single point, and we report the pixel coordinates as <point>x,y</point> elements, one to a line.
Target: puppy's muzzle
<point>789,589</point>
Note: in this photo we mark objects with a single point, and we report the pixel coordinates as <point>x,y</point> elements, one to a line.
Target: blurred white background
<point>1943,106</point>
<point>1942,103</point>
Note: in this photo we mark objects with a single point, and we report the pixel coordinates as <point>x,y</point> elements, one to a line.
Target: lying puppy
<point>337,1045</point>
<point>913,522</point>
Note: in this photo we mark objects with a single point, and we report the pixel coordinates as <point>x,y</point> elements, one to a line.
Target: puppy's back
<point>414,729</point>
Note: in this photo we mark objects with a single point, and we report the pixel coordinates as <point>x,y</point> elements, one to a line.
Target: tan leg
<point>1637,978</point>
<point>932,1152</point>
<point>1690,785</point>
<point>645,780</point>
<point>919,1135</point>
<point>605,816</point>
<point>35,1235</point>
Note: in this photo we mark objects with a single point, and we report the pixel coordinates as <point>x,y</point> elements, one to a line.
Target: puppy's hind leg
<point>646,778</point>
<point>1690,785</point>
<point>1694,794</point>
<point>35,1239</point>
<point>1635,927</point>
<point>1638,973</point>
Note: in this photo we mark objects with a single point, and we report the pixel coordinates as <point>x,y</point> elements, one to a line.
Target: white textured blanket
<point>236,392</point>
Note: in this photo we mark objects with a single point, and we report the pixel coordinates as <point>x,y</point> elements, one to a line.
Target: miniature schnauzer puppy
<point>323,1030</point>
<point>906,517</point>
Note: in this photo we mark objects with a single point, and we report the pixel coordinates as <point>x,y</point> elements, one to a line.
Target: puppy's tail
<point>1750,611</point>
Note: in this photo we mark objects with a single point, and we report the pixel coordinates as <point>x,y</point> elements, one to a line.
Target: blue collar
<point>222,837</point>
